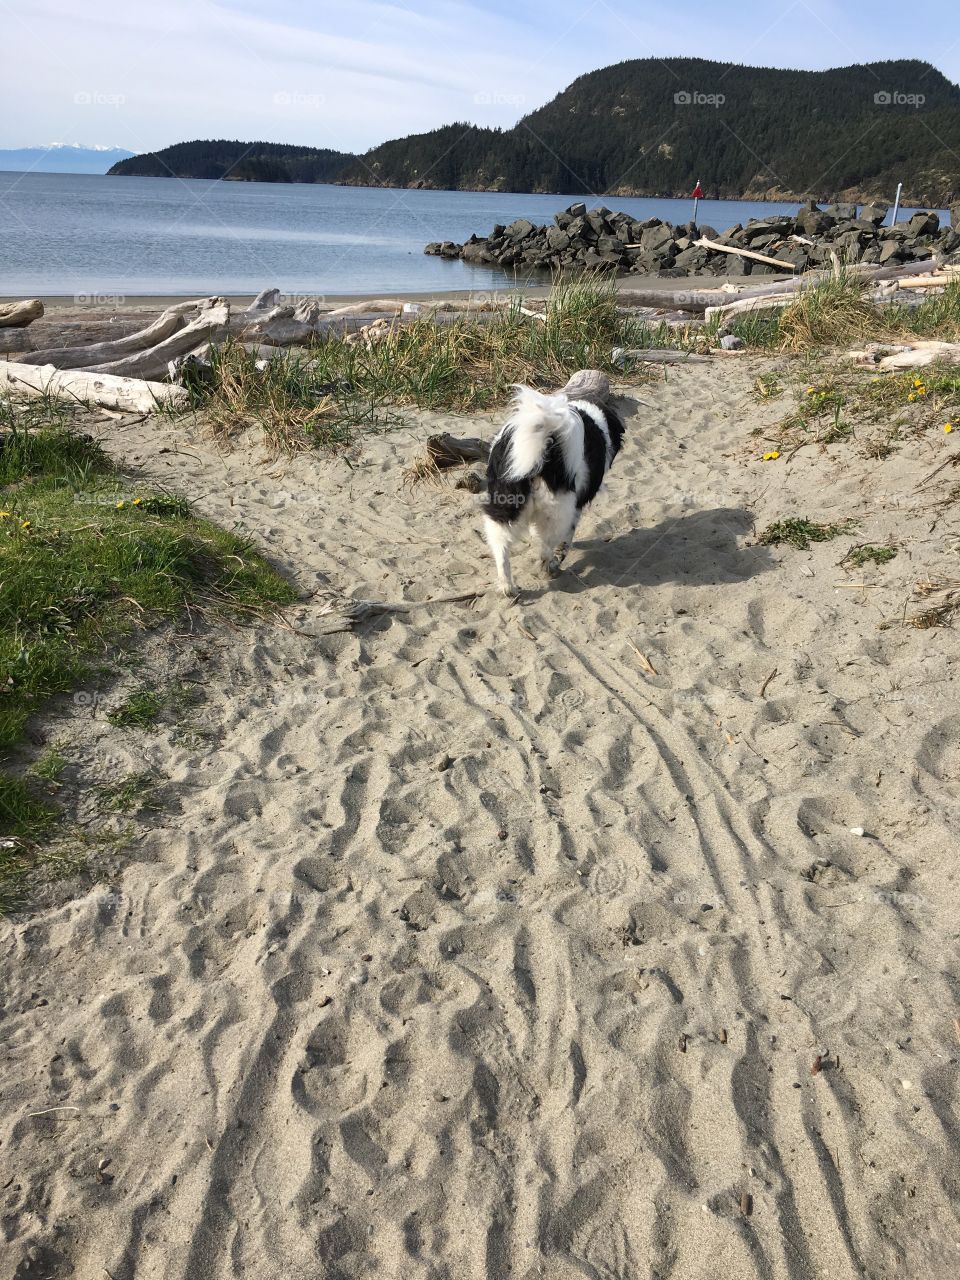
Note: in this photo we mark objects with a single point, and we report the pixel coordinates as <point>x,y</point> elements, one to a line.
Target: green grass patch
<point>857,557</point>
<point>50,766</point>
<point>141,710</point>
<point>800,532</point>
<point>88,556</point>
<point>133,794</point>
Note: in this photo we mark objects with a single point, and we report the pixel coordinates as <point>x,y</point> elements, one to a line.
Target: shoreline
<point>56,303</point>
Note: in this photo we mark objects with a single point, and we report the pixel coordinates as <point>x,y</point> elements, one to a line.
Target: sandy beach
<point>607,934</point>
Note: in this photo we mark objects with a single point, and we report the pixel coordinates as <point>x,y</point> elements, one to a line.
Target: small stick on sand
<point>746,1204</point>
<point>956,1028</point>
<point>763,687</point>
<point>645,662</point>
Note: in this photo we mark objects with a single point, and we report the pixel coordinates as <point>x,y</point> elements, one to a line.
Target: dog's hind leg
<point>499,537</point>
<point>557,530</point>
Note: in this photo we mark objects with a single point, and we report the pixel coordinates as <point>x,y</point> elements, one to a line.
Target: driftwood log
<point>914,356</point>
<point>95,354</point>
<point>209,326</point>
<point>14,315</point>
<point>131,395</point>
<point>12,340</point>
<point>704,243</point>
<point>656,355</point>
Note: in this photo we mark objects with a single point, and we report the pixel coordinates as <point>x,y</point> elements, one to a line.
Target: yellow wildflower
<point>811,391</point>
<point>948,427</point>
<point>137,501</point>
<point>911,397</point>
<point>772,455</point>
<point>121,505</point>
<point>4,515</point>
<point>24,524</point>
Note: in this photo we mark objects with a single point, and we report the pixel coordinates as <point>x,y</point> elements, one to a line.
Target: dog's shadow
<point>702,547</point>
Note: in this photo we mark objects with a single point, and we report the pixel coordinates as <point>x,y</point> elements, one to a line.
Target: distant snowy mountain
<point>63,158</point>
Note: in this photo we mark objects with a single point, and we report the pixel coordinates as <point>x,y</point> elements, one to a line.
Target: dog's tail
<point>533,419</point>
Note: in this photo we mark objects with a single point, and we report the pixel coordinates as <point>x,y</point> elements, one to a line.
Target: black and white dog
<point>546,463</point>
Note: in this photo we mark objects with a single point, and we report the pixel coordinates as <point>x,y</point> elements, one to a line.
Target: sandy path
<point>550,1011</point>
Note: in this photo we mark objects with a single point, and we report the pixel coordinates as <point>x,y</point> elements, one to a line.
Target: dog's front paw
<point>508,590</point>
<point>551,566</point>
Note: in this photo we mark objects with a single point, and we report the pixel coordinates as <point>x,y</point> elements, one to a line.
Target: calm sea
<point>94,236</point>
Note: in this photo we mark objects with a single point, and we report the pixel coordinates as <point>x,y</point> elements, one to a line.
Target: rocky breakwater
<point>601,240</point>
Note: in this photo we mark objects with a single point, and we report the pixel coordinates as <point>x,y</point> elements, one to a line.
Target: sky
<point>348,74</point>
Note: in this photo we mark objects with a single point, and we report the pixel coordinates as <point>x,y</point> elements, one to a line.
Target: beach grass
<point>342,384</point>
<point>838,312</point>
<point>89,556</point>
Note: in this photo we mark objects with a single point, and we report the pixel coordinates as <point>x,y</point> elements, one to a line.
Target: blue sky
<point>351,73</point>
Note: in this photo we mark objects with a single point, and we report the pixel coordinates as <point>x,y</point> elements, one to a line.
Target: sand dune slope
<point>469,948</point>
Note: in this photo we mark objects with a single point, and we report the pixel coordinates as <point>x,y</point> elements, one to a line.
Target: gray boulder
<point>519,229</point>
<point>874,213</point>
<point>923,224</point>
<point>842,210</point>
<point>811,222</point>
<point>657,237</point>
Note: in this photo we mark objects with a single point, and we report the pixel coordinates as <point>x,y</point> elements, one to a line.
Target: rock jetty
<point>601,240</point>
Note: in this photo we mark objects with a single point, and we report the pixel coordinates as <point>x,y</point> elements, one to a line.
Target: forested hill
<point>238,161</point>
<point>654,127</point>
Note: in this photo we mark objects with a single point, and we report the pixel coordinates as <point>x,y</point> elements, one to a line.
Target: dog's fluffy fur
<point>546,463</point>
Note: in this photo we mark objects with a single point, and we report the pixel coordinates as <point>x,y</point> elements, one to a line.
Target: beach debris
<point>91,355</point>
<point>442,452</point>
<point>944,594</point>
<point>723,1035</point>
<point>130,395</point>
<point>588,384</point>
<point>779,263</point>
<point>896,357</point>
<point>682,1043</point>
<point>16,315</point>
<point>15,340</point>
<point>622,357</point>
<point>342,613</point>
<point>645,663</point>
<point>746,1204</point>
<point>857,831</point>
<point>772,676</point>
<point>817,1065</point>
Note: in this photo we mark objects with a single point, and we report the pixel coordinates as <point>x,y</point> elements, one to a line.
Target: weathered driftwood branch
<point>209,326</point>
<point>14,315</point>
<point>15,340</point>
<point>915,356</point>
<point>343,613</point>
<point>656,355</point>
<point>749,304</point>
<point>128,394</point>
<point>95,354</point>
<point>704,243</point>
<point>588,384</point>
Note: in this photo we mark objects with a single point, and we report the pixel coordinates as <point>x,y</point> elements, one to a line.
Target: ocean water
<point>106,238</point>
